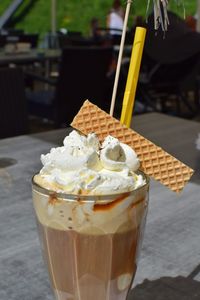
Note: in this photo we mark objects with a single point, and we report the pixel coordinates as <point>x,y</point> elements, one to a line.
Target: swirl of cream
<point>81,165</point>
<point>77,152</point>
<point>116,156</point>
<point>74,139</point>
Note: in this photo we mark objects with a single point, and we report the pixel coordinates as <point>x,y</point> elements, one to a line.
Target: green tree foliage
<point>76,14</point>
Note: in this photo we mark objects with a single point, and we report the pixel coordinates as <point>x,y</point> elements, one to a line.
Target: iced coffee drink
<point>91,205</point>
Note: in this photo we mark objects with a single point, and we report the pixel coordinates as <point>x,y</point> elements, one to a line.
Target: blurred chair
<point>13,105</point>
<point>14,31</point>
<point>82,75</point>
<point>115,39</point>
<point>2,40</point>
<point>66,39</point>
<point>31,39</point>
<point>74,33</point>
<point>165,86</point>
<point>170,67</point>
<point>78,41</point>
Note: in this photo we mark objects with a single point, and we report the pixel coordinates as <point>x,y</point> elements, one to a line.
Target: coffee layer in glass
<point>91,243</point>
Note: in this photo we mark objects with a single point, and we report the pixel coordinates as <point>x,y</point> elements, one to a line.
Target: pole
<point>53,17</point>
<point>198,16</point>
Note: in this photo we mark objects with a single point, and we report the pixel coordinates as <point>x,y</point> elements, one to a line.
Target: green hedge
<point>76,14</point>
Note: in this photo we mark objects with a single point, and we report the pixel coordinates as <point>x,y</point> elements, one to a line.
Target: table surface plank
<point>171,243</point>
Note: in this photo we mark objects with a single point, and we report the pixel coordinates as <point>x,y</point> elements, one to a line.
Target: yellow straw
<point>133,74</point>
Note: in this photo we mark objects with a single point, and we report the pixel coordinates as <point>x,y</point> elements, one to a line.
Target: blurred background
<point>55,54</point>
<point>73,16</point>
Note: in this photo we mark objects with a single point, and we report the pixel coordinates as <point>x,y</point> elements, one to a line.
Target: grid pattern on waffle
<point>155,162</point>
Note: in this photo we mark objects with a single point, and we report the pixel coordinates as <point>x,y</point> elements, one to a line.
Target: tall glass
<point>91,243</point>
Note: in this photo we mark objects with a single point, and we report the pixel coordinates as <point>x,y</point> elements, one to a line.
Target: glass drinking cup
<point>91,243</point>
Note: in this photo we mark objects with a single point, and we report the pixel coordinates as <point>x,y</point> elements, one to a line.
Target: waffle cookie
<point>155,162</point>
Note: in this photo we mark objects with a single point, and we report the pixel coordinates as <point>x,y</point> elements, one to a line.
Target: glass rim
<point>71,196</point>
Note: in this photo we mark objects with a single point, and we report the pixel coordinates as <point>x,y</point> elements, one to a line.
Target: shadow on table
<point>168,288</point>
<point>7,162</point>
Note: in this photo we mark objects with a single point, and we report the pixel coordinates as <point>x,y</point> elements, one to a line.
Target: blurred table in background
<point>44,57</point>
<point>34,55</point>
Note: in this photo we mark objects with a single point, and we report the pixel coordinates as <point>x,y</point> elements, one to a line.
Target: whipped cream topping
<point>84,166</point>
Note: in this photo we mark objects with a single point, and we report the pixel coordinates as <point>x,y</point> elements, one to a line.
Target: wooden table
<point>171,243</point>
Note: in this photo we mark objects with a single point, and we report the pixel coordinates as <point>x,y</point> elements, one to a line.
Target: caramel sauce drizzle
<point>137,202</point>
<point>110,205</point>
<point>53,200</point>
